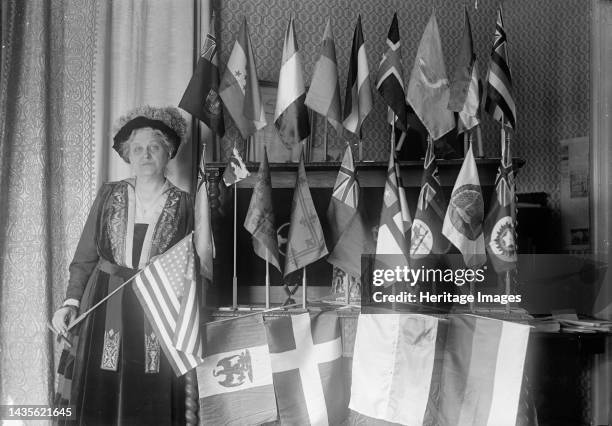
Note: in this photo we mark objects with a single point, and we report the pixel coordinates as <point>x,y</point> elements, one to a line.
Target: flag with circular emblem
<point>499,225</point>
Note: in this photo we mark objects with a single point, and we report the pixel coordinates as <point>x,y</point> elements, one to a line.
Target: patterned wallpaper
<point>548,49</point>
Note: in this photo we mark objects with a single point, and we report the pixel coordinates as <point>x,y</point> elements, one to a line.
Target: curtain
<point>68,69</point>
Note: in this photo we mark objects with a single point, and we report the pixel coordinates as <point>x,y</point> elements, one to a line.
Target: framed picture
<point>269,137</point>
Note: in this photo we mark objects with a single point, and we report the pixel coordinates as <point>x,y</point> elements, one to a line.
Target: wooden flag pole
<point>235,276</point>
<point>267,280</point>
<point>304,288</point>
<point>466,142</point>
<point>325,141</point>
<point>479,141</point>
<point>360,147</point>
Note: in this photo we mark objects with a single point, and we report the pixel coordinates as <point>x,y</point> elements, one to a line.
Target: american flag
<point>167,292</point>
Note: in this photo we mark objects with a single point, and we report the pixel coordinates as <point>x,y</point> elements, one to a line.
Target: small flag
<point>463,221</point>
<point>358,97</point>
<point>240,86</point>
<point>464,93</point>
<point>201,98</point>
<point>291,115</point>
<point>235,379</point>
<point>307,368</point>
<point>499,225</point>
<point>393,365</point>
<point>390,82</point>
<point>350,238</point>
<point>428,91</point>
<point>324,92</point>
<point>166,289</point>
<point>259,220</point>
<point>391,232</point>
<point>305,243</point>
<point>427,238</point>
<point>203,235</point>
<point>482,371</point>
<point>235,170</point>
<point>500,100</point>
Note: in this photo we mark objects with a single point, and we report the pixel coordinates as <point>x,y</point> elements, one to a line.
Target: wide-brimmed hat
<point>166,119</point>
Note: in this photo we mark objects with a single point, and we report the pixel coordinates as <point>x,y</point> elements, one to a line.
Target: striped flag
<point>166,289</point>
<point>391,232</point>
<point>358,97</point>
<point>464,93</point>
<point>291,115</point>
<point>305,243</point>
<point>390,81</point>
<point>500,100</point>
<point>349,236</point>
<point>259,220</point>
<point>427,238</point>
<point>393,368</point>
<point>235,379</point>
<point>324,92</point>
<point>201,98</point>
<point>203,235</point>
<point>240,87</point>
<point>499,225</point>
<point>482,372</point>
<point>306,355</point>
<point>235,170</point>
<point>463,221</point>
<point>428,90</point>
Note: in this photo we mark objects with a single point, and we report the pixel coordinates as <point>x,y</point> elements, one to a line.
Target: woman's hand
<point>62,317</point>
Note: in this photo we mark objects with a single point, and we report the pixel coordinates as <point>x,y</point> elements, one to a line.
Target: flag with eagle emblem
<point>500,236</point>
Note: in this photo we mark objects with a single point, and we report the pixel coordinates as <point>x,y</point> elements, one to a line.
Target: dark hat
<point>166,119</point>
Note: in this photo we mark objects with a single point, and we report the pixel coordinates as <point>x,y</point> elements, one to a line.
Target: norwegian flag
<point>167,291</point>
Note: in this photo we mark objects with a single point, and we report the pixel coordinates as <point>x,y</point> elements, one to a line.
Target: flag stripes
<point>500,100</point>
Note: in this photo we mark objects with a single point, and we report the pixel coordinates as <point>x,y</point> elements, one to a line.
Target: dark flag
<point>259,220</point>
<point>201,98</point>
<point>499,226</point>
<point>500,100</point>
<point>390,81</point>
<point>358,98</point>
<point>427,238</point>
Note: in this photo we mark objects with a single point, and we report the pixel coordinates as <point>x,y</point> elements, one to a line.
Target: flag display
<point>306,243</point>
<point>390,81</point>
<point>358,97</point>
<point>240,87</point>
<point>201,98</point>
<point>391,232</point>
<point>324,93</point>
<point>393,364</point>
<point>499,225</point>
<point>235,378</point>
<point>500,100</point>
<point>235,170</point>
<point>349,236</point>
<point>482,371</point>
<point>166,289</point>
<point>306,357</point>
<point>464,93</point>
<point>203,235</point>
<point>463,221</point>
<point>427,238</point>
<point>291,115</point>
<point>428,90</point>
<point>259,220</point>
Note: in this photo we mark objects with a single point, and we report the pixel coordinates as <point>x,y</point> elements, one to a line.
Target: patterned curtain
<point>68,69</point>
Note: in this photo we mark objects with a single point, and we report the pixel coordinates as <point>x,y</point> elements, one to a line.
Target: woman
<point>115,371</point>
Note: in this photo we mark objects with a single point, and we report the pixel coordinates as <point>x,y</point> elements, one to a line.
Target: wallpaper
<point>548,50</point>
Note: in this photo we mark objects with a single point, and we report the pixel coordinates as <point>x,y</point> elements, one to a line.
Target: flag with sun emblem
<point>500,236</point>
<point>427,238</point>
<point>463,221</point>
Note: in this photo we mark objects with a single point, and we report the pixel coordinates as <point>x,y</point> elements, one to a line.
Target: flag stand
<point>267,280</point>
<point>235,276</point>
<point>304,288</point>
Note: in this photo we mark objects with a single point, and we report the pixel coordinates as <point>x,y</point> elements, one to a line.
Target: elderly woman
<point>115,371</point>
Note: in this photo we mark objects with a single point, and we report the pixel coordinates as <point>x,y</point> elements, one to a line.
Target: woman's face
<point>147,153</point>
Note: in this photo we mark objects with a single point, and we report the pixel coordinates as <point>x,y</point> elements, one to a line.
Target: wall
<point>548,49</point>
